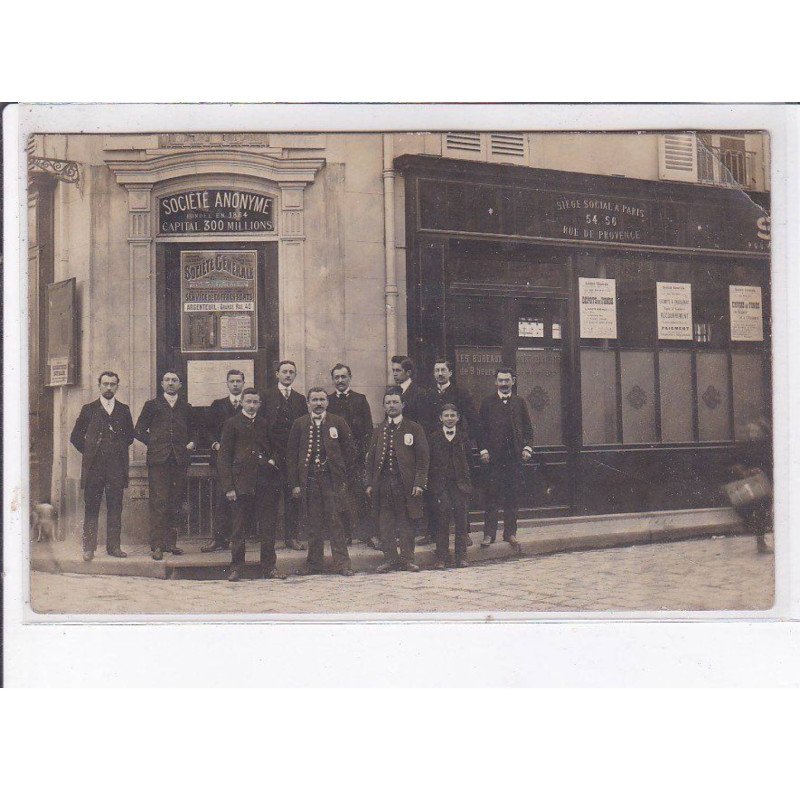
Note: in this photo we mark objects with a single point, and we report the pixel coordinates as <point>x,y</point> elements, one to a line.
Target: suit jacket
<point>413,460</point>
<point>93,422</point>
<point>246,448</point>
<point>355,411</point>
<point>462,400</point>
<point>166,430</point>
<point>419,405</point>
<point>440,450</point>
<point>491,437</point>
<point>339,449</point>
<point>271,401</point>
<point>219,412</point>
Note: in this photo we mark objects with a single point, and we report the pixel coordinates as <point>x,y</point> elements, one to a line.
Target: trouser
<point>290,515</point>
<point>96,484</point>
<point>450,500</point>
<point>251,510</point>
<point>757,517</point>
<point>167,484</point>
<point>504,481</point>
<point>223,518</point>
<point>394,524</point>
<point>358,514</point>
<point>321,520</point>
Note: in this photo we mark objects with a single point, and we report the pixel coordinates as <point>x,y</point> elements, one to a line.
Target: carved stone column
<point>291,276</point>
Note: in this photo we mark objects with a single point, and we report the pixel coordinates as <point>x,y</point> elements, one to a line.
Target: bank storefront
<point>635,313</point>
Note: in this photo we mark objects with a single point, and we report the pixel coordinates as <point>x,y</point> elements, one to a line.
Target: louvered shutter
<point>677,157</point>
<point>464,145</point>
<point>509,148</point>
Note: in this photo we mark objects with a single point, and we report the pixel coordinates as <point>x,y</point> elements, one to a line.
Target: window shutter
<point>464,145</point>
<point>508,147</point>
<point>677,157</point>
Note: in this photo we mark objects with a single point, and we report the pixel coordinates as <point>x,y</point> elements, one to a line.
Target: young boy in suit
<point>450,485</point>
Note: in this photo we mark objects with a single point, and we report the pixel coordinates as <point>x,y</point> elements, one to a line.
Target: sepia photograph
<point>420,372</point>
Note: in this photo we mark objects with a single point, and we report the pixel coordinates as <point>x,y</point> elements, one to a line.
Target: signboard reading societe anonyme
<point>225,211</point>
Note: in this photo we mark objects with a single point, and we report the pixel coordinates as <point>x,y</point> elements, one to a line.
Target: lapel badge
<point>408,439</point>
<point>334,432</point>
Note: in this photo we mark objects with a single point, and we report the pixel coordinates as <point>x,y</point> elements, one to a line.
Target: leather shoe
<point>117,553</point>
<point>423,540</point>
<point>293,544</point>
<point>88,555</point>
<point>410,567</point>
<point>213,547</point>
<point>374,543</point>
<point>306,570</point>
<point>439,564</point>
<point>347,572</point>
<point>386,566</point>
<point>233,575</point>
<point>176,551</point>
<point>487,540</point>
<point>512,540</point>
<point>158,554</point>
<point>462,562</point>
<point>269,574</point>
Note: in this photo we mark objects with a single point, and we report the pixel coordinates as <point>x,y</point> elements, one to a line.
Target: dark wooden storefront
<point>630,423</point>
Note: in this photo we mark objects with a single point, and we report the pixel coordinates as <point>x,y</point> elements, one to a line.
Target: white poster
<point>207,380</point>
<point>747,322</point>
<point>674,310</point>
<point>598,298</point>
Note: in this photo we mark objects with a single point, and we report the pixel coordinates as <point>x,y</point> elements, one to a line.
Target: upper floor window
<point>720,159</point>
<point>506,147</point>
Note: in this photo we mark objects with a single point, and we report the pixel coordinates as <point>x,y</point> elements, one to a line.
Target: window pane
<point>675,380</point>
<point>748,391</point>
<point>638,397</point>
<point>539,382</point>
<point>475,368</point>
<point>713,401</point>
<point>599,396</point>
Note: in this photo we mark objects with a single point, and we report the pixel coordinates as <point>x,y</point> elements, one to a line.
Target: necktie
<point>236,403</point>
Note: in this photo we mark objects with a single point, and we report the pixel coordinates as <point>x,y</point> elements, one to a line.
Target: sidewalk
<point>536,538</point>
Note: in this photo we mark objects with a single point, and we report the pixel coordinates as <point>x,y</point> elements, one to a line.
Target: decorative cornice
<point>150,169</point>
<point>66,171</point>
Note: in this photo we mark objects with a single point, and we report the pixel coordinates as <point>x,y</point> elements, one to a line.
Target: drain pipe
<point>390,288</point>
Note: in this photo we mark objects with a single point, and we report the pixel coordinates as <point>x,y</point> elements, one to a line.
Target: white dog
<point>44,522</point>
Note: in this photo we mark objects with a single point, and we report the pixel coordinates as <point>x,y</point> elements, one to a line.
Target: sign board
<point>206,380</point>
<point>747,321</point>
<point>674,310</point>
<point>217,211</point>
<point>219,300</point>
<point>598,304</point>
<point>62,333</point>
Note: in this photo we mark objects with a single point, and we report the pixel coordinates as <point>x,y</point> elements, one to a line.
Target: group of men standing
<point>336,475</point>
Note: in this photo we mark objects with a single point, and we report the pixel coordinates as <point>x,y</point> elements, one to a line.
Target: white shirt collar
<point>171,399</point>
<point>448,430</point>
<point>236,398</point>
<point>442,387</point>
<point>248,415</point>
<point>318,420</point>
<point>503,396</point>
<point>345,392</point>
<point>284,390</point>
<point>396,420</point>
<point>405,384</point>
<point>108,405</point>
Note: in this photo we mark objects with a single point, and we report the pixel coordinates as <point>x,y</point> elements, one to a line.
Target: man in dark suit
<point>165,426</point>
<point>281,406</point>
<point>219,413</point>
<point>450,485</point>
<point>251,480</point>
<point>354,409</point>
<point>448,392</point>
<point>320,455</point>
<point>102,434</point>
<point>417,400</point>
<point>506,441</point>
<point>397,474</point>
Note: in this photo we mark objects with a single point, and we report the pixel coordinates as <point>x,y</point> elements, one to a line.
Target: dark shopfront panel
<point>626,423</point>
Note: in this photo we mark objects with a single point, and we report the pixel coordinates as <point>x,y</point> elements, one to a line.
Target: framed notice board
<point>62,333</point>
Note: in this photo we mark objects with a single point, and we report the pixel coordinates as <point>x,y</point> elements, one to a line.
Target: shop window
<point>636,304</point>
<point>748,391</point>
<point>539,373</point>
<point>599,396</point>
<point>675,383</point>
<point>713,397</point>
<point>638,396</point>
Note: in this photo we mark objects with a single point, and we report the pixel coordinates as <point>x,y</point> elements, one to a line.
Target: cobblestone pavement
<point>706,574</point>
